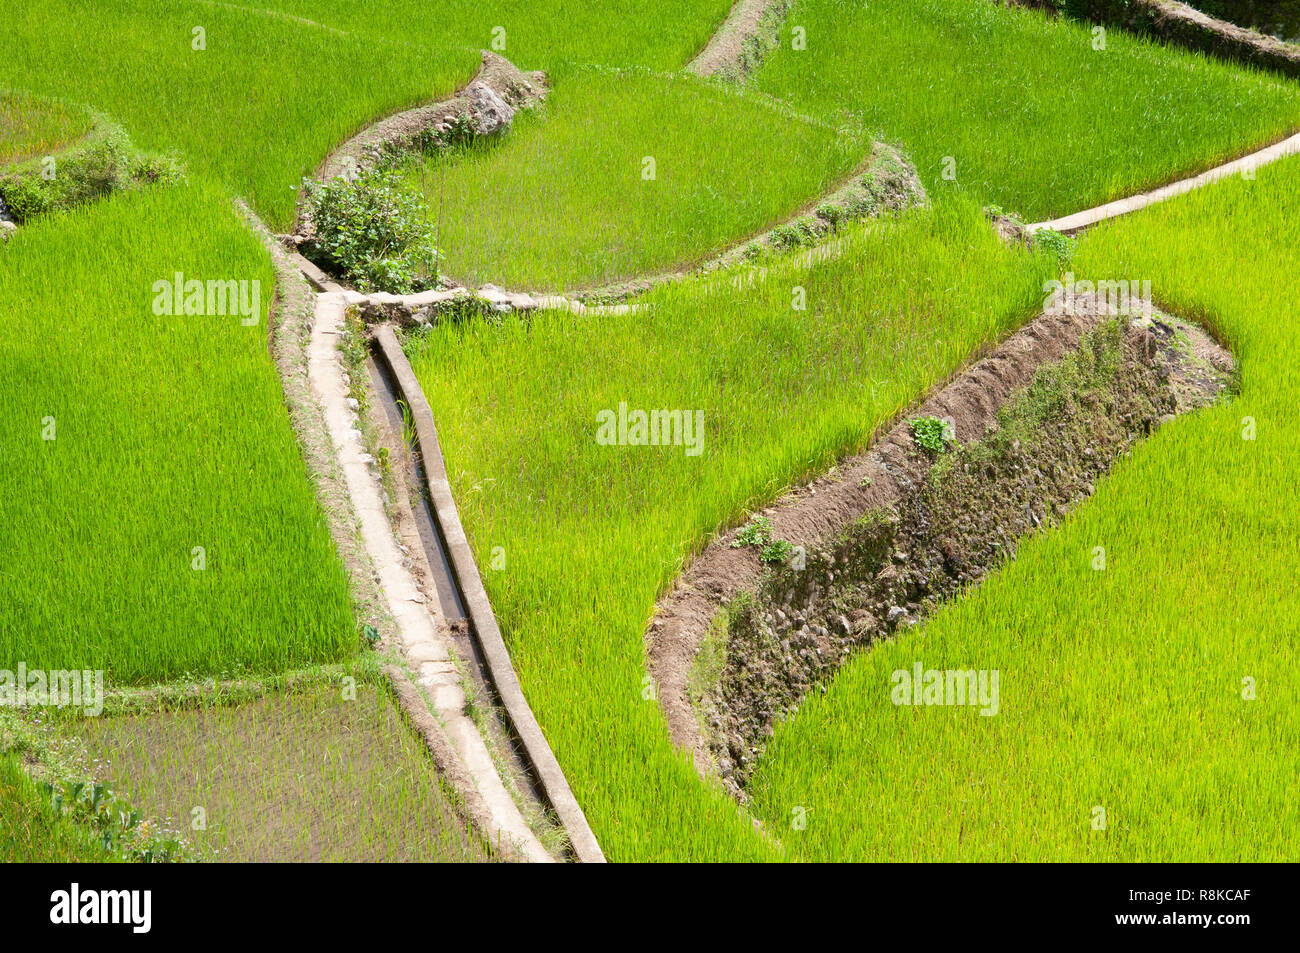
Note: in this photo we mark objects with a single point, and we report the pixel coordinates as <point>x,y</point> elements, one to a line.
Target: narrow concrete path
<point>1078,221</point>
<point>425,649</point>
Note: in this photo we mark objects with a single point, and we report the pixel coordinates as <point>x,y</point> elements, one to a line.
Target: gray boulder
<point>491,113</point>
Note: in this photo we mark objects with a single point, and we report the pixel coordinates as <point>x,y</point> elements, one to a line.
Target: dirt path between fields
<point>745,36</point>
<point>876,552</point>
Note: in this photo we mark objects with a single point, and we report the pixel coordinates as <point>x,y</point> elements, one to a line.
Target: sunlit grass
<point>625,174</point>
<point>30,831</point>
<point>133,439</point>
<point>256,109</point>
<point>1032,117</point>
<point>592,534</point>
<point>1122,688</point>
<point>535,35</point>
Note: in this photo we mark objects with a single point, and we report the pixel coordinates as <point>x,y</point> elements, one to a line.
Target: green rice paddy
<point>158,521</point>
<point>1160,689</point>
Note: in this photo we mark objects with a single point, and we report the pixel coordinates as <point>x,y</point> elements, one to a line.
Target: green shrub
<point>374,231</point>
<point>1062,246</point>
<point>106,164</point>
<point>758,532</point>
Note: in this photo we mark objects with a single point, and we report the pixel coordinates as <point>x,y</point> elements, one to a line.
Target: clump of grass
<point>58,793</point>
<point>104,163</point>
<point>711,659</point>
<point>31,833</point>
<point>119,827</point>
<point>1062,246</point>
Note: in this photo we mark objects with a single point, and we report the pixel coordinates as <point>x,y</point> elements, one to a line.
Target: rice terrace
<point>780,430</point>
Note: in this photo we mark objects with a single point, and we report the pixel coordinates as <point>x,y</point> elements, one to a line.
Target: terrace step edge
<point>817,516</point>
<point>294,314</point>
<point>484,628</point>
<point>742,40</point>
<point>1245,166</point>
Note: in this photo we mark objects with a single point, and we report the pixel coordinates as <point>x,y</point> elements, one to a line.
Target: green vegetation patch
<point>623,174</point>
<point>961,85</point>
<point>373,231</point>
<point>252,101</point>
<point>596,532</point>
<point>104,163</point>
<point>1146,648</point>
<point>158,519</point>
<point>31,832</point>
<point>536,35</point>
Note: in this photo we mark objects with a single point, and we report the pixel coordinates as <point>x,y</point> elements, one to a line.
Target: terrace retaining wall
<point>1183,25</point>
<point>479,609</point>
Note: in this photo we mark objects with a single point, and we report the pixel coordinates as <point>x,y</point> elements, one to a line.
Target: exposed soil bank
<point>751,31</point>
<point>497,82</point>
<point>889,534</point>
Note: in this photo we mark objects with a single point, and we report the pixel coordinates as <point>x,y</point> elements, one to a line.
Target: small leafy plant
<point>121,827</point>
<point>1062,246</point>
<point>758,532</point>
<point>932,433</point>
<point>777,551</point>
<point>375,231</point>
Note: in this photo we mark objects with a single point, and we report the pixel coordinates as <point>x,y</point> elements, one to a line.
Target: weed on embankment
<point>1147,647</point>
